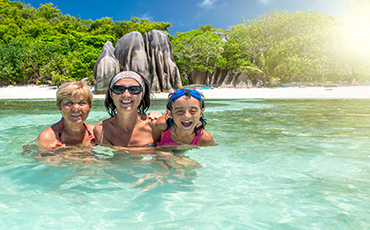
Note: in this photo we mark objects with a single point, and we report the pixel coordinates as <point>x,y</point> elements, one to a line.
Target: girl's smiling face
<point>186,112</point>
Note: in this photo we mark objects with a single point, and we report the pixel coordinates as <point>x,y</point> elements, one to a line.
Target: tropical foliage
<point>43,45</point>
<point>199,50</point>
<point>299,46</point>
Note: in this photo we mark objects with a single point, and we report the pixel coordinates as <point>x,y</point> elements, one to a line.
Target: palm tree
<point>269,63</point>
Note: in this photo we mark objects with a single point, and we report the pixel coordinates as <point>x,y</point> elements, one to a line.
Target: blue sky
<point>186,15</point>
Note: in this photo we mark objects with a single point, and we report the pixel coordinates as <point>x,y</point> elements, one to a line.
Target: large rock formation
<point>131,54</point>
<point>220,78</point>
<point>150,55</point>
<point>105,68</point>
<point>165,75</point>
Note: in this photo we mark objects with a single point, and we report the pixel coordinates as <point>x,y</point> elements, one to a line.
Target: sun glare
<point>356,29</point>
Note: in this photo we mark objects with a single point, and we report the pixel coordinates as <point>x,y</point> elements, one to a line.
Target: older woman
<point>127,100</point>
<point>74,100</point>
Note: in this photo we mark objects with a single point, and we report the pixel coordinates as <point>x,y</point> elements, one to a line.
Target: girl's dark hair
<point>201,119</point>
<point>144,104</point>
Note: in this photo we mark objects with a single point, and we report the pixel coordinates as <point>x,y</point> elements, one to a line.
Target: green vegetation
<point>39,45</point>
<point>299,46</point>
<point>197,50</point>
<point>43,45</point>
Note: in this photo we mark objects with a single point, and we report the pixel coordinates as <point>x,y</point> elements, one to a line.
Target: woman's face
<point>127,101</point>
<point>186,112</point>
<point>75,109</point>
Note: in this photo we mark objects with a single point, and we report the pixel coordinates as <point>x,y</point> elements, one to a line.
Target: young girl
<point>185,109</point>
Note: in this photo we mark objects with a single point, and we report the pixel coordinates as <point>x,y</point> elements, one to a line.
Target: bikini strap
<point>91,137</point>
<point>59,141</point>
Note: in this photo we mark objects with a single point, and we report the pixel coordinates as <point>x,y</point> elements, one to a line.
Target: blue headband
<point>182,92</point>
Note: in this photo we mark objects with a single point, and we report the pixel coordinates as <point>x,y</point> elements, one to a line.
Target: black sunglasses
<point>120,89</point>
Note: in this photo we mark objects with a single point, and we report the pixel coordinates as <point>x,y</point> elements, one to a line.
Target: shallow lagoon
<point>280,164</point>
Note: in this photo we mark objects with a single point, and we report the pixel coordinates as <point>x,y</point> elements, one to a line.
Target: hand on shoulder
<point>154,115</point>
<point>161,122</point>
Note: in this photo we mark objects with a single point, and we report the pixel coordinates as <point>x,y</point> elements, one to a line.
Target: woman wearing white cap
<point>127,100</point>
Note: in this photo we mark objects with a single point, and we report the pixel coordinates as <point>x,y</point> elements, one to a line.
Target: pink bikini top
<point>166,138</point>
<point>59,141</point>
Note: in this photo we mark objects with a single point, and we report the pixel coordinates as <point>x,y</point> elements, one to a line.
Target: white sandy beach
<point>355,92</point>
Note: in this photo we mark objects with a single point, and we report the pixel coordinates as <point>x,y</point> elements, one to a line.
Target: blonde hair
<point>73,89</point>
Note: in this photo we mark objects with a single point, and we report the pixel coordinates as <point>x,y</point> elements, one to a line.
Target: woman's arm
<point>98,133</point>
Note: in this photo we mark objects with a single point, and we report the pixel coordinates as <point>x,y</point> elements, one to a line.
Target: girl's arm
<point>160,123</point>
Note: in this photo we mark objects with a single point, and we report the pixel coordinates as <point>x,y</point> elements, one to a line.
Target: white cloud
<point>206,4</point>
<point>265,2</point>
<point>146,16</point>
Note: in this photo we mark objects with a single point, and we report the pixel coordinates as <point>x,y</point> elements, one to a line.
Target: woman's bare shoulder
<point>104,123</point>
<point>47,138</point>
<point>101,129</point>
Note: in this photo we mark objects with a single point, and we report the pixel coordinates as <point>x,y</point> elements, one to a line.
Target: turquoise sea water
<point>279,164</point>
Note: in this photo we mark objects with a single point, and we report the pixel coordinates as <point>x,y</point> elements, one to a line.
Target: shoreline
<point>345,92</point>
